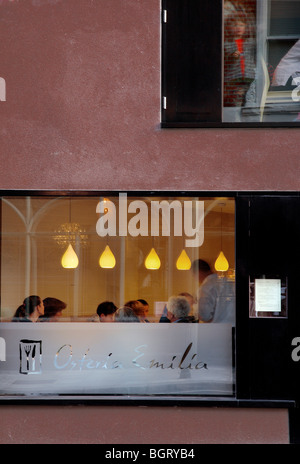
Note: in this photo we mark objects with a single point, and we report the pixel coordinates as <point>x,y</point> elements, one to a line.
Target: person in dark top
<point>106,311</point>
<point>30,310</point>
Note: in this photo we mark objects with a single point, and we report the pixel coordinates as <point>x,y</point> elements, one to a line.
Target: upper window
<point>231,62</point>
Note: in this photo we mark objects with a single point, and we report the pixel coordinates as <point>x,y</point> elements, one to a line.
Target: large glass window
<point>74,268</point>
<point>231,62</point>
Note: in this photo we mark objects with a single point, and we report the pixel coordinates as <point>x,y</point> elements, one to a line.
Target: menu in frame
<point>268,295</point>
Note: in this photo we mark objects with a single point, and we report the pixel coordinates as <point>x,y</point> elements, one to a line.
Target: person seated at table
<point>30,311</point>
<point>19,313</point>
<point>138,309</point>
<point>53,309</point>
<point>189,297</point>
<point>167,315</point>
<point>178,308</point>
<point>106,311</point>
<point>146,308</point>
<point>126,314</point>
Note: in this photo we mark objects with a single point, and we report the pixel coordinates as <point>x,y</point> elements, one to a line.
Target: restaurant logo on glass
<point>102,358</point>
<point>30,356</point>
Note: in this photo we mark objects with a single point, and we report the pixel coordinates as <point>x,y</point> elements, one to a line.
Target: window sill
<point>232,125</point>
<point>149,401</point>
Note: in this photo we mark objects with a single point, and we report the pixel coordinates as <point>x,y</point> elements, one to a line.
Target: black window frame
<point>182,70</point>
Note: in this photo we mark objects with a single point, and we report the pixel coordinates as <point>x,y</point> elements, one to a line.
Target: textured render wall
<point>82,112</point>
<point>83,108</point>
<point>141,425</point>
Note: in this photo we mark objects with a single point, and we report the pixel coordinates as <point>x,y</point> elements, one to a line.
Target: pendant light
<point>221,263</point>
<point>152,260</point>
<point>183,262</point>
<point>107,259</point>
<point>69,259</point>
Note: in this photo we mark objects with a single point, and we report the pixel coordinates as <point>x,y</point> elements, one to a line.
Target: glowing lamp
<point>107,259</point>
<point>221,263</point>
<point>183,262</point>
<point>152,261</point>
<point>69,259</point>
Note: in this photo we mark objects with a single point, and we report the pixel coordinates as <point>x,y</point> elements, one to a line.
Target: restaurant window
<point>97,257</point>
<point>230,62</point>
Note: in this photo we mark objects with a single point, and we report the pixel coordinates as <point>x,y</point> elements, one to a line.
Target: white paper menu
<point>268,295</point>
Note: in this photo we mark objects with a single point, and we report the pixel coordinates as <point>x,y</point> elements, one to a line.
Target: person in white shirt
<point>216,295</point>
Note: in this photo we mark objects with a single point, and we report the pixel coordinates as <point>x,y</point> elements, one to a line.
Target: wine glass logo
<point>30,356</point>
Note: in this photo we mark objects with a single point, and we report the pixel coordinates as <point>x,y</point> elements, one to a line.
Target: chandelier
<point>70,233</point>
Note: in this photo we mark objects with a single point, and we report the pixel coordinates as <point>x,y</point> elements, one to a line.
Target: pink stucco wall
<point>83,109</point>
<point>141,425</point>
<point>82,112</point>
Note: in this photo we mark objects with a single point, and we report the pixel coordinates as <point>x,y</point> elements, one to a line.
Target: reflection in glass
<point>261,61</point>
<point>239,57</point>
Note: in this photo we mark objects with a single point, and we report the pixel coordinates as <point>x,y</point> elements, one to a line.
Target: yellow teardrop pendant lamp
<point>183,262</point>
<point>221,263</point>
<point>152,261</point>
<point>107,259</point>
<point>69,259</point>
